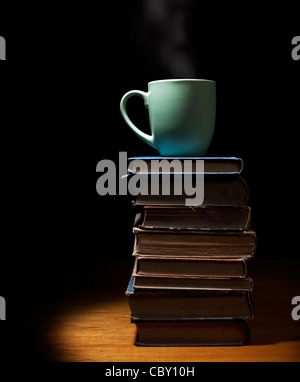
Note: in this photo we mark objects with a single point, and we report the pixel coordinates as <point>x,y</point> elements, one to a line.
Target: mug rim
<point>182,80</point>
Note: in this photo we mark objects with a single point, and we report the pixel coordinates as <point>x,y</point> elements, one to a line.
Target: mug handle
<point>145,137</point>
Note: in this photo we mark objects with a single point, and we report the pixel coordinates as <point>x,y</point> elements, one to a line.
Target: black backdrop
<point>61,85</point>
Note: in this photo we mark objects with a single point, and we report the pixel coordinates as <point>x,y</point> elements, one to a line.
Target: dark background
<point>61,85</point>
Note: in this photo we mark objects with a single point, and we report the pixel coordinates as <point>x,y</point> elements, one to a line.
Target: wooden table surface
<point>95,325</point>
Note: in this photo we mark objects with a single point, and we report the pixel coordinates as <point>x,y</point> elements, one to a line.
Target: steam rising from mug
<point>167,37</point>
<point>182,115</point>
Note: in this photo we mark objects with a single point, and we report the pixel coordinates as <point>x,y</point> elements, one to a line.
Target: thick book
<point>189,304</point>
<point>191,283</point>
<point>196,218</point>
<point>188,266</point>
<point>212,165</point>
<point>220,190</point>
<point>205,244</point>
<point>192,333</point>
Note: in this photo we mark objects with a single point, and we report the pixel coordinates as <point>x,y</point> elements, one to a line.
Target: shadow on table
<point>104,284</point>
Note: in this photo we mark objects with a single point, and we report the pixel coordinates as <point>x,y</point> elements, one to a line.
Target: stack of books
<point>189,285</point>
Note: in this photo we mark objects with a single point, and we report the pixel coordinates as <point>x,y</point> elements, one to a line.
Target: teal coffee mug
<point>182,115</point>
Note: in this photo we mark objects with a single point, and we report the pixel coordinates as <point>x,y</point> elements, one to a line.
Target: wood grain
<point>95,326</point>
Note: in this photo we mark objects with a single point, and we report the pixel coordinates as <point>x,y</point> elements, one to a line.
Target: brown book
<point>191,283</point>
<point>196,218</point>
<point>189,304</point>
<point>205,244</point>
<point>192,333</point>
<point>185,266</point>
<point>222,190</point>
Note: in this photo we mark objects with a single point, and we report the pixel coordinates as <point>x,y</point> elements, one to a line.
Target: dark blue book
<point>212,165</point>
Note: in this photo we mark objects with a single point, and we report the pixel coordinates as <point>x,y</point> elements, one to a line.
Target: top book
<point>173,165</point>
